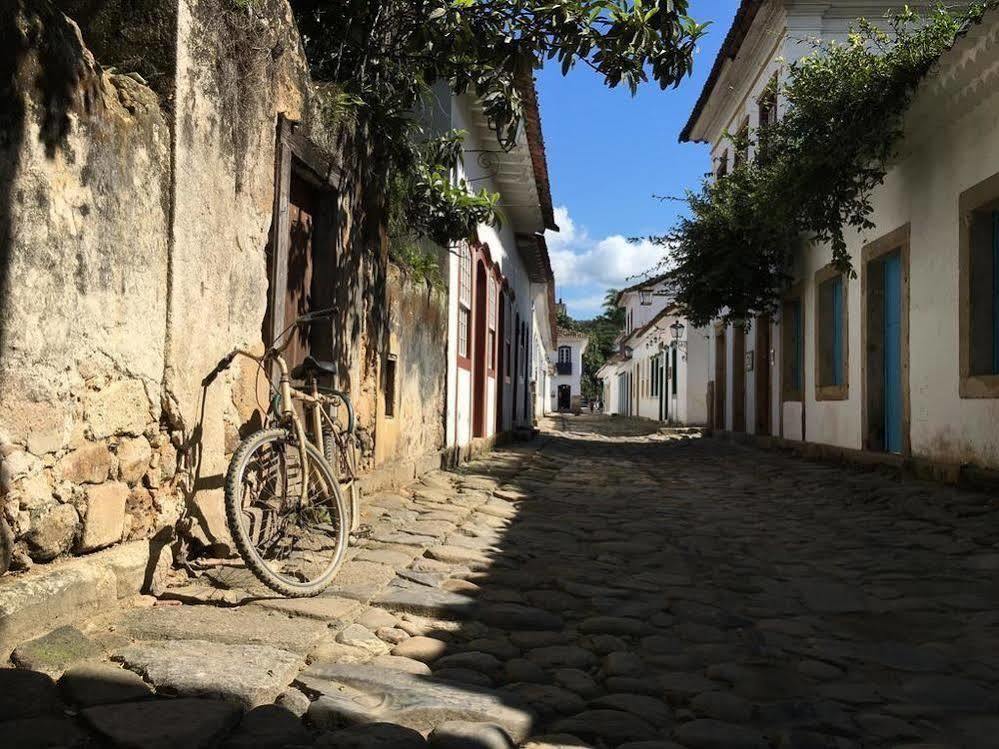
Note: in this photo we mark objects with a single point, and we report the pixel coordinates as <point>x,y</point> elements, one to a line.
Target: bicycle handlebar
<point>223,365</point>
<point>318,314</point>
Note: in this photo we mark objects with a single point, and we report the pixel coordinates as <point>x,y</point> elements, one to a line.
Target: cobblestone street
<point>604,585</point>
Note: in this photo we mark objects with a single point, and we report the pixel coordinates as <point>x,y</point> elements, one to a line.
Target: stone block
<point>52,533</point>
<point>55,652</point>
<point>53,595</point>
<point>164,724</point>
<point>105,518</point>
<point>120,408</point>
<point>89,464</point>
<point>133,459</point>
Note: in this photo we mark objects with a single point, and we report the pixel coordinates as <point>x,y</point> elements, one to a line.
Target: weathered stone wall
<point>135,216</point>
<point>413,436</point>
<point>84,210</point>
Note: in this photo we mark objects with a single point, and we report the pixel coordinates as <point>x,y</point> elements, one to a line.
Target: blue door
<point>893,353</point>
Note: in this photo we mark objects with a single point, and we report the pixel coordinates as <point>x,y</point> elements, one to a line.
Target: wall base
<point>964,476</point>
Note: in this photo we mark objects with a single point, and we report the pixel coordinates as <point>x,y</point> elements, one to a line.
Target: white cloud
<point>581,260</point>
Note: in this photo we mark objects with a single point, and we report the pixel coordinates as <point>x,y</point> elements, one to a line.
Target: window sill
<point>979,386</point>
<point>832,392</point>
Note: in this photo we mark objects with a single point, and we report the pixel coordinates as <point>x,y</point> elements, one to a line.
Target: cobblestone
<point>606,586</point>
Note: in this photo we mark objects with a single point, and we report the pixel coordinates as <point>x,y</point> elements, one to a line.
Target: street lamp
<point>677,330</point>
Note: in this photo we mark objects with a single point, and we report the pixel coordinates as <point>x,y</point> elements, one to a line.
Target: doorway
<point>721,378</point>
<point>739,378</point>
<point>886,302</point>
<point>762,376</point>
<point>479,364</point>
<point>564,397</point>
<point>501,361</point>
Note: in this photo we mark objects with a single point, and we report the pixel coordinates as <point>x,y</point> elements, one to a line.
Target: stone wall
<point>84,211</point>
<point>135,215</point>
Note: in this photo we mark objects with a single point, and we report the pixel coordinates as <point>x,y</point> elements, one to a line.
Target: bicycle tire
<point>233,507</point>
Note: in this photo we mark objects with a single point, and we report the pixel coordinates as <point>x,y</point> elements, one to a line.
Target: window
<point>792,324</point>
<point>464,298</point>
<point>722,169</point>
<point>742,143</point>
<point>830,335</point>
<point>767,104</point>
<point>979,308</point>
<point>655,371</point>
<point>673,371</point>
<point>564,354</point>
<point>389,386</point>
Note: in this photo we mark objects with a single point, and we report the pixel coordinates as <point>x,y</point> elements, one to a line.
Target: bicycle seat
<point>314,366</point>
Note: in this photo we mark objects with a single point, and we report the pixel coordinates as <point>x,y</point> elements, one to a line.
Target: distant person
<point>591,405</point>
<point>600,405</point>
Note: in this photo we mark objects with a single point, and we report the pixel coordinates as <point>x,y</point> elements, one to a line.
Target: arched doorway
<point>479,364</point>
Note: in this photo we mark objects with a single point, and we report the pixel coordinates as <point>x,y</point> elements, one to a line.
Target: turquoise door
<point>893,353</point>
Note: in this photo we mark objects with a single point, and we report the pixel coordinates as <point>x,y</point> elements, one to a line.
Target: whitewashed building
<point>566,389</point>
<point>500,282</point>
<point>659,371</point>
<point>902,360</point>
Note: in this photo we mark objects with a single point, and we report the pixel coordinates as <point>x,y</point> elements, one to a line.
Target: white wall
<point>952,144</point>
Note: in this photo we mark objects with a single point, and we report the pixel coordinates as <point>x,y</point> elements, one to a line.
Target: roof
<point>639,332</point>
<point>741,24</point>
<point>643,284</point>
<point>572,334</point>
<point>536,144</point>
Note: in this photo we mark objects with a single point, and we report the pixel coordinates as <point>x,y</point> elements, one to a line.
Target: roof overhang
<point>741,25</point>
<point>519,174</point>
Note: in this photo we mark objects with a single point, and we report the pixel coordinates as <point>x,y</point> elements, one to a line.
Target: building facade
<point>566,390</point>
<point>658,371</point>
<point>500,313</point>
<point>900,361</point>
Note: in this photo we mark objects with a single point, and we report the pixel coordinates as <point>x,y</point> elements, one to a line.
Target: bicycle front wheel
<point>294,547</point>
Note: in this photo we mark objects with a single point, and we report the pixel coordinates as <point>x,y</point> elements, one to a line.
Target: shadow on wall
<point>39,57</point>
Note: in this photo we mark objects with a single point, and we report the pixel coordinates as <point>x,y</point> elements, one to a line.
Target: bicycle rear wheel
<point>293,548</point>
<point>341,453</point>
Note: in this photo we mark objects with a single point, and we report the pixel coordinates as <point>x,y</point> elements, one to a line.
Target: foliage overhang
<point>814,171</point>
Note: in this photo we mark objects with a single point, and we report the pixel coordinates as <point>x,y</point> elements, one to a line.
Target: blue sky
<point>608,154</point>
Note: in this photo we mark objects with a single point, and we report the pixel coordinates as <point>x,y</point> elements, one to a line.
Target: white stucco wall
<point>952,144</point>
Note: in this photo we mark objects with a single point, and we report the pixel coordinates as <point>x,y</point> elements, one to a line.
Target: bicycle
<point>284,505</point>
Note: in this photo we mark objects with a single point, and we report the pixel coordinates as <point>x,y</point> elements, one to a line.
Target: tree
<point>602,332</point>
<point>384,56</point>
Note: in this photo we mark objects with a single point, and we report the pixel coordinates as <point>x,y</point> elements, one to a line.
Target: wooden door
<point>739,379</point>
<point>762,380</point>
<point>479,357</point>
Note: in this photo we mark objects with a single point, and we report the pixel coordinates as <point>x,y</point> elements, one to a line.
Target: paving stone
<point>360,580</point>
<point>55,652</point>
<point>246,675</point>
<point>42,733</point>
<point>609,725</point>
<point>374,618</point>
<point>615,625</point>
<point>371,694</point>
<point>547,699</point>
<point>723,706</point>
<point>460,734</point>
<point>294,701</point>
<point>648,708</point>
<point>384,556</point>
<point>555,741</point>
<point>268,727</point>
<point>356,636</point>
<point>474,660</point>
<point>420,599</point>
<point>555,656</point>
<point>323,608</point>
<point>409,665</point>
<point>463,676</point>
<point>578,681</point>
<point>451,554</point>
<point>425,649</point>
<point>248,625</point>
<point>515,616</point>
<point>714,734</point>
<point>623,663</point>
<point>27,694</point>
<point>90,684</point>
<point>164,724</point>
